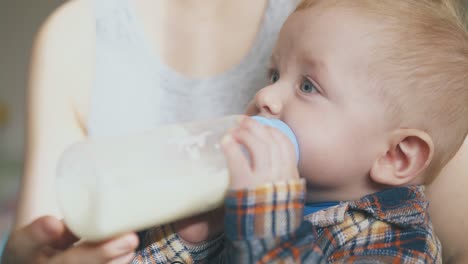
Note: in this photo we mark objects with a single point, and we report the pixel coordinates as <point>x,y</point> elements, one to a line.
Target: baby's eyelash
<point>270,71</point>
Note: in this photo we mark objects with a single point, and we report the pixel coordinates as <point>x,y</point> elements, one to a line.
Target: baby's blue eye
<point>274,76</point>
<point>308,87</point>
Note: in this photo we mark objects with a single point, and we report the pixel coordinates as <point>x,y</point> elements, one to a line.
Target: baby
<point>376,93</point>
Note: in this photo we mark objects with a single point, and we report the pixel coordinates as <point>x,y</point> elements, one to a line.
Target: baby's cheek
<point>332,160</point>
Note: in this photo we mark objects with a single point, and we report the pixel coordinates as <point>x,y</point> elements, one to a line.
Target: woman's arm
<point>449,202</point>
<point>60,76</point>
<point>62,70</point>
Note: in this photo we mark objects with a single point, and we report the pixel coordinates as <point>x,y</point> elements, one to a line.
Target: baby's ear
<point>409,153</point>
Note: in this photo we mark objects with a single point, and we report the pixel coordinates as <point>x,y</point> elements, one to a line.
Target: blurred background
<point>19,22</point>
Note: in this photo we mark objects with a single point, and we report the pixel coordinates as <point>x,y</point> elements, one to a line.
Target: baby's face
<point>320,87</point>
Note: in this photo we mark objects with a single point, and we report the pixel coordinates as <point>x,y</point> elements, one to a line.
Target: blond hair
<point>424,58</point>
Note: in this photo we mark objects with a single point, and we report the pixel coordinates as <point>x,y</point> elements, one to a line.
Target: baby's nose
<point>269,102</point>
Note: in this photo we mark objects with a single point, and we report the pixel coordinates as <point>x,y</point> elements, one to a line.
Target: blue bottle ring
<point>283,127</point>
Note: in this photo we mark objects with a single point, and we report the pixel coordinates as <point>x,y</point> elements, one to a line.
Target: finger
<point>202,227</point>
<point>236,160</point>
<point>103,252</point>
<point>257,129</point>
<point>276,164</point>
<point>255,138</point>
<point>125,259</point>
<point>44,231</point>
<point>287,154</point>
<point>261,131</point>
<point>65,240</point>
<point>284,143</point>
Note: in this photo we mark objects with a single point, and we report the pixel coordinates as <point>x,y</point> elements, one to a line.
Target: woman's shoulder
<point>72,17</point>
<point>67,29</point>
<point>60,77</point>
<point>65,47</point>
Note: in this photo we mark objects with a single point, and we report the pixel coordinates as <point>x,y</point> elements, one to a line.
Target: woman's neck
<point>201,38</point>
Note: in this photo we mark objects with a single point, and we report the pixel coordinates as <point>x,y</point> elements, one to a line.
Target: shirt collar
<point>402,206</point>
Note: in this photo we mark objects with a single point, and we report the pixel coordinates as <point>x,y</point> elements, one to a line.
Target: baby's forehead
<point>341,18</point>
<point>340,37</point>
<point>340,27</point>
<point>335,12</point>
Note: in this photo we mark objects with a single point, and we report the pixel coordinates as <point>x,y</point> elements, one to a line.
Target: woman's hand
<point>272,155</point>
<point>47,240</point>
<point>201,228</point>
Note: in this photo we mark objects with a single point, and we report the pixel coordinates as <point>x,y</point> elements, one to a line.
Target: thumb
<point>44,231</point>
<point>26,244</point>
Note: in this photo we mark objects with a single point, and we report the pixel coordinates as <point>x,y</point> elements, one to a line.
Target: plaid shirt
<point>266,225</point>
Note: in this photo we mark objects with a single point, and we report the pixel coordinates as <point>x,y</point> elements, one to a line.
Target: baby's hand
<point>272,155</point>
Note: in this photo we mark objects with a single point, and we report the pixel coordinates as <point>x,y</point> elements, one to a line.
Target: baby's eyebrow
<point>318,65</point>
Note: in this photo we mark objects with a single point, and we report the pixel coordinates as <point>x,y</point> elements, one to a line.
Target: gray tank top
<point>133,90</point>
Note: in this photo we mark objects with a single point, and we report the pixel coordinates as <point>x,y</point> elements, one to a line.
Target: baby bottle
<point>114,185</point>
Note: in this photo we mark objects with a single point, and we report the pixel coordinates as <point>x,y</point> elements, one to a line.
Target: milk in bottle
<point>114,185</point>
